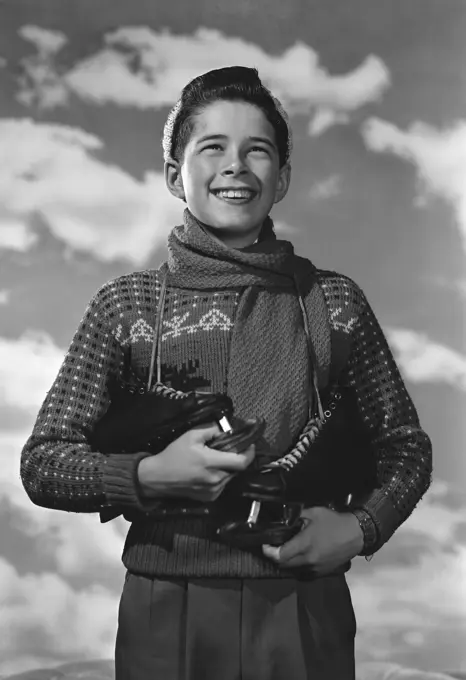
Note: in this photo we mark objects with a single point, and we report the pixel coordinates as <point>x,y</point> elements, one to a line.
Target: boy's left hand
<point>328,540</point>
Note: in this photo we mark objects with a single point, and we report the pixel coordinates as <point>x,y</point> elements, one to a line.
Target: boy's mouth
<point>234,196</point>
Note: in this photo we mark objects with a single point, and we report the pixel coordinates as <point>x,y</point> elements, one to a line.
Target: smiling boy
<point>207,189</point>
<point>233,321</point>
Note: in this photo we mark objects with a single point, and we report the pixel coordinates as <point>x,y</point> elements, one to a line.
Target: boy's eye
<point>259,149</point>
<point>213,146</point>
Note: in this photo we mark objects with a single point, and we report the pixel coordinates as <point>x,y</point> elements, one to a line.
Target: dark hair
<point>233,83</point>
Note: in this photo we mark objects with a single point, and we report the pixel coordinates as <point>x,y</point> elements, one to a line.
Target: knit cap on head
<point>168,139</point>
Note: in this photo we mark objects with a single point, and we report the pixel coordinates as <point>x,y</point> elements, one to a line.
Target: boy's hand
<point>188,468</point>
<point>328,540</point>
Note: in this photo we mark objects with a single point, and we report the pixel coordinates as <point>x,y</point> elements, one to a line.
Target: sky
<point>376,94</point>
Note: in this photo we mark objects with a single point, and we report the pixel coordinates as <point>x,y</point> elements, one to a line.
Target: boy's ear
<point>283,182</point>
<point>173,179</point>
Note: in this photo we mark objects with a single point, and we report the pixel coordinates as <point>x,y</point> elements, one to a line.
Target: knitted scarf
<point>270,364</point>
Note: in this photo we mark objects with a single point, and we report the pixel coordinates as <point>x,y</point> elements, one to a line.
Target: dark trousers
<point>234,629</point>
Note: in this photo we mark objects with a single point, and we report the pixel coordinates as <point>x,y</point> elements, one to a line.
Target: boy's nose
<point>234,166</point>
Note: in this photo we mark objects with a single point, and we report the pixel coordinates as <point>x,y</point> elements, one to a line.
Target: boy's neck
<point>236,241</point>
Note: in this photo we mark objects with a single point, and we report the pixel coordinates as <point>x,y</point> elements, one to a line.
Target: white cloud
<point>4,296</point>
<point>43,619</point>
<point>404,603</point>
<point>284,230</point>
<point>46,41</point>
<point>422,360</point>
<point>439,157</point>
<point>39,83</point>
<point>326,188</point>
<point>147,69</point>
<point>325,118</point>
<point>422,598</point>
<point>87,204</point>
<point>78,544</point>
<point>14,234</point>
<point>28,367</point>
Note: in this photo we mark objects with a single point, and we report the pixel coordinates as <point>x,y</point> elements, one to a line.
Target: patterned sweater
<point>59,470</point>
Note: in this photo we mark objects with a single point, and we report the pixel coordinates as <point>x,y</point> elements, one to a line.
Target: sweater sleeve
<point>58,468</point>
<point>402,448</point>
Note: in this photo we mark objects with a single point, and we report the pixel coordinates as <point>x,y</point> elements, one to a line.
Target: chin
<point>241,223</point>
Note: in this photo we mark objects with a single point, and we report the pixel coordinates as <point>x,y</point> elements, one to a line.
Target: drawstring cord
<point>157,341</point>
<point>313,381</point>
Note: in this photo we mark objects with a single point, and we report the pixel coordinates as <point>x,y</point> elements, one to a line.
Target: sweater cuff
<point>369,530</point>
<point>121,483</point>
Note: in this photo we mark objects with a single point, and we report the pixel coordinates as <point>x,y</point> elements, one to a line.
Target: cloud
<point>46,41</point>
<point>28,367</point>
<point>50,170</point>
<point>413,589</point>
<point>326,188</point>
<point>147,69</point>
<point>4,296</point>
<point>439,157</point>
<point>77,543</point>
<point>39,83</point>
<point>284,230</point>
<point>44,620</point>
<point>422,360</point>
<point>14,234</point>
<point>398,607</point>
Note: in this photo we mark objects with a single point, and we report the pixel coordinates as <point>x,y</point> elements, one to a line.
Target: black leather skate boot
<point>331,462</point>
<point>138,420</point>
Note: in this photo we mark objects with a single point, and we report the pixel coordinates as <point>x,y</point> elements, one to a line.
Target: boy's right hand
<point>188,468</point>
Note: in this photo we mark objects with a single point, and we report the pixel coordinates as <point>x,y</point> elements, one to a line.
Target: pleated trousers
<point>235,629</point>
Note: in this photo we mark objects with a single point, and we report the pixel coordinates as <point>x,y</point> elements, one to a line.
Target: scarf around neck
<point>271,359</point>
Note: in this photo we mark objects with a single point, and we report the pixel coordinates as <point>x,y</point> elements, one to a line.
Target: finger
<point>272,551</point>
<point>275,554</point>
<point>220,478</point>
<point>295,547</point>
<point>205,433</point>
<point>232,462</point>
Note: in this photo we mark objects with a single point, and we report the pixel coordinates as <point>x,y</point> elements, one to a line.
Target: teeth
<point>244,193</point>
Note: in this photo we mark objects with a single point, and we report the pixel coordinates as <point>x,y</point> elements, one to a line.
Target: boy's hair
<point>233,83</point>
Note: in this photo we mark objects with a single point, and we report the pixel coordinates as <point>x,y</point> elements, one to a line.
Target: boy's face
<point>232,147</point>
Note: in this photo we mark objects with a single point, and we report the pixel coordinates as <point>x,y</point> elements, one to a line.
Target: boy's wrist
<point>368,529</point>
<point>145,474</point>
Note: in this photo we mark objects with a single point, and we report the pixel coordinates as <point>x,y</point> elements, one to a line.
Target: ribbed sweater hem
<point>185,548</point>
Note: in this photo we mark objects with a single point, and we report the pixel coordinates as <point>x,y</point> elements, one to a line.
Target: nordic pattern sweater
<point>59,470</point>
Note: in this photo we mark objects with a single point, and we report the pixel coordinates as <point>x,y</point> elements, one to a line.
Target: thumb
<point>207,432</point>
<point>295,546</point>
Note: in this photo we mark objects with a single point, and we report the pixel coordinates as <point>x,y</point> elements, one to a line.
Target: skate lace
<point>307,438</point>
<point>167,392</point>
